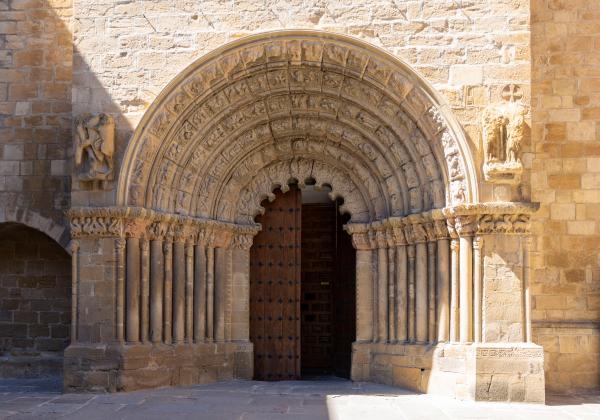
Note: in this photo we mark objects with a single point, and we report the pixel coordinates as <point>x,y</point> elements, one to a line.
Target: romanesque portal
<point>162,278</point>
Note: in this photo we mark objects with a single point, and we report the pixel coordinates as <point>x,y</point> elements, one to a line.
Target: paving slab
<point>321,398</point>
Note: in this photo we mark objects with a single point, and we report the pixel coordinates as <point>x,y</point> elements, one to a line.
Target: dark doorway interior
<point>302,291</point>
<point>328,292</point>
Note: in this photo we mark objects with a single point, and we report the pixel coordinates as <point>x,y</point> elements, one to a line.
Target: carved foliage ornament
<point>94,147</point>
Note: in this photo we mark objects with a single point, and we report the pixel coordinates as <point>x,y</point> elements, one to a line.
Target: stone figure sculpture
<point>503,128</point>
<point>94,147</point>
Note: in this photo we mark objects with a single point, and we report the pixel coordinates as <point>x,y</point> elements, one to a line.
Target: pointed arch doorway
<point>302,291</point>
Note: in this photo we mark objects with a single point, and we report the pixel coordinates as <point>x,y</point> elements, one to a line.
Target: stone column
<point>120,289</point>
<point>74,286</point>
<point>178,289</point>
<point>443,278</point>
<point>210,293</point>
<point>526,291</point>
<point>401,280</point>
<point>454,264</point>
<point>189,291</point>
<point>222,272</point>
<point>364,282</point>
<point>421,295</point>
<point>240,265</point>
<point>411,307</point>
<point>382,285</point>
<point>156,283</point>
<point>168,290</point>
<point>132,277</point>
<point>391,304</point>
<point>477,288</point>
<point>465,227</point>
<point>200,266</point>
<point>145,289</point>
<point>431,280</point>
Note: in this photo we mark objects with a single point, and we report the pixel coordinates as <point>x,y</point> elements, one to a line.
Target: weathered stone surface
<point>259,112</point>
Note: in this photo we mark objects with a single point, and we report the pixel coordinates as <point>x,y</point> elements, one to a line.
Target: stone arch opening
<point>35,302</point>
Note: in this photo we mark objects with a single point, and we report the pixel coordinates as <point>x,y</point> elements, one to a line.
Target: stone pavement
<point>308,400</point>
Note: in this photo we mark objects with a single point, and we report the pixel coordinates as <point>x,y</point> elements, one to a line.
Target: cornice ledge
<point>492,207</point>
<point>110,221</point>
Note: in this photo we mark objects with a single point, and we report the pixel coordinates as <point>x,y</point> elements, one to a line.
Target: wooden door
<point>275,289</point>
<point>318,277</point>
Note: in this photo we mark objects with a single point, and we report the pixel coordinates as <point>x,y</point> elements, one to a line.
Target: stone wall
<point>35,302</point>
<point>35,113</point>
<point>566,181</point>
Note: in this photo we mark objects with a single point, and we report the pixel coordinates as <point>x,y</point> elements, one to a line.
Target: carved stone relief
<point>357,97</point>
<point>503,131</point>
<point>94,147</point>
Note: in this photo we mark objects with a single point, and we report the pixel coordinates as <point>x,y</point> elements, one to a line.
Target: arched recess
<point>34,220</point>
<point>290,103</point>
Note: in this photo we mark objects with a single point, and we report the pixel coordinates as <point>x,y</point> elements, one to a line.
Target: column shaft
<point>210,293</point>
<point>477,290</point>
<point>431,277</point>
<point>443,290</point>
<point>454,290</point>
<point>168,293</point>
<point>132,327</point>
<point>391,304</point>
<point>382,290</point>
<point>120,249</point>
<point>364,295</point>
<point>401,293</point>
<point>156,290</point>
<point>189,292</point>
<point>199,293</point>
<point>145,290</point>
<point>178,292</point>
<point>74,286</point>
<point>421,292</point>
<point>220,292</point>
<point>411,293</point>
<point>526,289</point>
<point>466,289</point>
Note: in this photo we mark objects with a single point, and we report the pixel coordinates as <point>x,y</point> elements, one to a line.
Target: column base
<point>480,372</point>
<point>113,368</point>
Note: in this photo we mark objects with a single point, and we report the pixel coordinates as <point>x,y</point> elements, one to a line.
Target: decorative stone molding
<point>491,218</point>
<point>94,147</point>
<point>450,222</point>
<point>503,131</point>
<point>122,222</point>
<point>260,109</point>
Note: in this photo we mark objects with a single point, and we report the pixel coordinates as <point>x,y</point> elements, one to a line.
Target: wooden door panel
<point>275,289</point>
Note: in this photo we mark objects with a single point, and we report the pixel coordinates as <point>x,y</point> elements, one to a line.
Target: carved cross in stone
<point>512,93</point>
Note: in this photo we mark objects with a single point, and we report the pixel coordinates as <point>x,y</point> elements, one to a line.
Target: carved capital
<point>504,223</point>
<point>96,226</point>
<point>242,241</point>
<point>465,225</point>
<point>135,228</point>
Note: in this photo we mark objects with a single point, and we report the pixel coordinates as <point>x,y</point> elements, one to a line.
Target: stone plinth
<point>480,372</point>
<point>111,368</point>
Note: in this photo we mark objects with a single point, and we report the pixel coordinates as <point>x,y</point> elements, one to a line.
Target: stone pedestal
<point>480,372</point>
<point>98,367</point>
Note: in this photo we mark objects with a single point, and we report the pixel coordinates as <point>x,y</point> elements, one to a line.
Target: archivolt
<point>297,104</point>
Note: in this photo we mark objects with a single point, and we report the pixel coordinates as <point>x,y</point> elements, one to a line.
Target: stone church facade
<point>145,146</point>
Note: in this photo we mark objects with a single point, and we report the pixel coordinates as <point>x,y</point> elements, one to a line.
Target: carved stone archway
<point>246,119</point>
